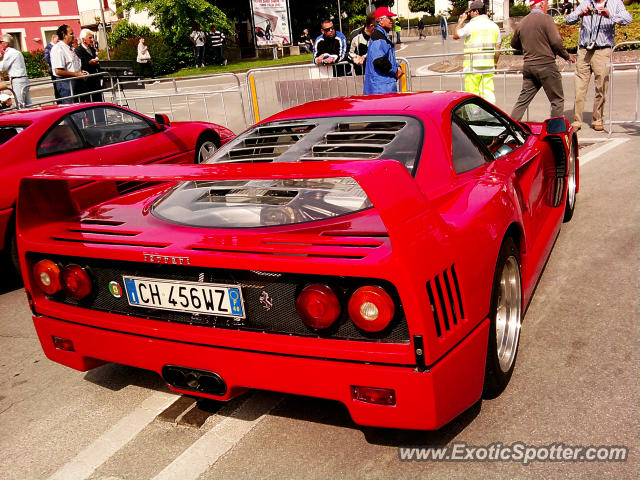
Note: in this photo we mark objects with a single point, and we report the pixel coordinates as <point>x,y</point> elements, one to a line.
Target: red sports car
<point>379,251</point>
<point>36,139</point>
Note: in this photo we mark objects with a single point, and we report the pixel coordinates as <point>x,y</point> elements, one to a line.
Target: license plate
<point>192,297</point>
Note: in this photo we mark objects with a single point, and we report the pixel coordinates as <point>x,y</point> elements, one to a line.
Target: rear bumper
<point>424,400</point>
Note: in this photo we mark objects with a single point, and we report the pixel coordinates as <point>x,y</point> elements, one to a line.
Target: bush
<point>124,30</point>
<point>519,10</point>
<point>35,63</point>
<point>163,61</point>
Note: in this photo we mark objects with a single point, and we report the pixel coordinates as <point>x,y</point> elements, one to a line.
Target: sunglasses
<point>327,30</point>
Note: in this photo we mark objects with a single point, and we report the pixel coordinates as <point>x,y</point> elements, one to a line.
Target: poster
<point>271,22</point>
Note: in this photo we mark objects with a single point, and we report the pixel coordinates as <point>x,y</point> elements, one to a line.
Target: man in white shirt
<point>12,62</point>
<point>65,64</point>
<point>198,38</point>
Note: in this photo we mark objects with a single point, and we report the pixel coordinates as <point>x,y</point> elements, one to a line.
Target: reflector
<point>379,396</point>
<point>63,344</point>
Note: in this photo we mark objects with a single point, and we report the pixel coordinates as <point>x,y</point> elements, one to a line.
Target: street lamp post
<point>339,16</point>
<point>104,23</point>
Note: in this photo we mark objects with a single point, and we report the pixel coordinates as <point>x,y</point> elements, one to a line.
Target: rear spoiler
<point>47,197</point>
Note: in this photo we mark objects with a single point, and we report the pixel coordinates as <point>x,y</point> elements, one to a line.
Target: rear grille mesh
<point>446,301</point>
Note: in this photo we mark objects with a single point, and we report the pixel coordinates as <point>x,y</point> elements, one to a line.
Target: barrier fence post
<point>254,98</point>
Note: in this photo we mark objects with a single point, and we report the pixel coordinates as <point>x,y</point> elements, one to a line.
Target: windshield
<point>269,202</point>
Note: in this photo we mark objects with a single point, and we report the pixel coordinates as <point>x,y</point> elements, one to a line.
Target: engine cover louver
<point>445,300</point>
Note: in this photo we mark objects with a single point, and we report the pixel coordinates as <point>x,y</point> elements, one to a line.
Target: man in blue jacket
<point>330,48</point>
<point>381,70</point>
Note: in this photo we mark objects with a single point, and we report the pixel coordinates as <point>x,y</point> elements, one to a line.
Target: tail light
<point>318,306</point>
<point>371,308</point>
<point>63,344</point>
<point>76,282</point>
<point>379,396</point>
<point>46,274</point>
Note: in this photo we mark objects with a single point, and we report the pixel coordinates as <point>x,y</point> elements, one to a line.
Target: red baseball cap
<point>383,12</point>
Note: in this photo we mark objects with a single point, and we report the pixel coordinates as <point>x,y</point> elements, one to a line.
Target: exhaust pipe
<point>183,378</point>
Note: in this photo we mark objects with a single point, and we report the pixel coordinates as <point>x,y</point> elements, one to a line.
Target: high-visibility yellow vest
<point>484,36</point>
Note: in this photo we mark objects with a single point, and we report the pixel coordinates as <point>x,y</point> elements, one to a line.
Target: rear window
<point>271,202</point>
<point>7,132</point>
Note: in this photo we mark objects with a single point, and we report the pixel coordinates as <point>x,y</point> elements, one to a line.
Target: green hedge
<point>36,66</point>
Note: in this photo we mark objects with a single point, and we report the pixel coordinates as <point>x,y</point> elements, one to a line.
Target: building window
<point>49,8</point>
<point>10,9</point>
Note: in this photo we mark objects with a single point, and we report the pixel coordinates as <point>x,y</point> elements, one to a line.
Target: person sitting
<point>305,43</point>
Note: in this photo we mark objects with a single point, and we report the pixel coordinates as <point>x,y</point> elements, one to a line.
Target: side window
<point>60,139</point>
<point>492,129</point>
<point>465,154</point>
<point>105,126</point>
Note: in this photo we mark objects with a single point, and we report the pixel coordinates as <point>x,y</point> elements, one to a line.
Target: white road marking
<point>206,451</point>
<point>84,464</point>
<point>601,150</point>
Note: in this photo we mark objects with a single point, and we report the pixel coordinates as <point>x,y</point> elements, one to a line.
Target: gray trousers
<point>536,77</point>
<point>18,85</point>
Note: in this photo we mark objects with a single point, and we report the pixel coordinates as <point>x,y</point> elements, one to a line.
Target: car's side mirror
<point>556,125</point>
<point>162,119</point>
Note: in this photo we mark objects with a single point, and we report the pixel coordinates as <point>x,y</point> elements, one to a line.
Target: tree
<point>422,6</point>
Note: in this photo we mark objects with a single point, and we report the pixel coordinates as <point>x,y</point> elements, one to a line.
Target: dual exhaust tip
<point>201,381</point>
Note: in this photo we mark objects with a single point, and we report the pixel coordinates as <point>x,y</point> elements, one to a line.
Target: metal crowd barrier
<point>613,66</point>
<point>274,89</point>
<point>182,104</point>
<point>82,96</point>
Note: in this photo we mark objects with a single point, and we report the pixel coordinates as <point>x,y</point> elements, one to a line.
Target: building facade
<point>32,22</point>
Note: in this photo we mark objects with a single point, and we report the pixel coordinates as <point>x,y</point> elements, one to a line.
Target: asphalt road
<point>575,382</point>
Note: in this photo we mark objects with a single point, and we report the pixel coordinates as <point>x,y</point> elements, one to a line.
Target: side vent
<point>446,301</point>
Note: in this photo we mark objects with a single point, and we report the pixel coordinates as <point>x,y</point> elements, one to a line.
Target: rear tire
<point>506,320</point>
<point>572,183</point>
<point>205,148</point>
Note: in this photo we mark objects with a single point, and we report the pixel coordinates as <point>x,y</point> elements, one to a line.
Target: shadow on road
<point>9,279</point>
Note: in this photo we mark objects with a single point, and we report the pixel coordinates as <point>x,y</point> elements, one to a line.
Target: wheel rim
<point>206,151</point>
<point>571,181</point>
<point>508,318</point>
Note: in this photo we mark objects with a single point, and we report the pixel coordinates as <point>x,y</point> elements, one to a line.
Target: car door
<point>123,137</point>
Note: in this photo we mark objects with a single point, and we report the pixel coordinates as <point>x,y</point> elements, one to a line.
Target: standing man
<point>65,63</point>
<point>360,45</point>
<point>89,63</point>
<point>217,43</point>
<point>12,62</point>
<point>330,47</point>
<point>421,28</point>
<point>198,39</point>
<point>381,70</point>
<point>47,58</point>
<point>597,36</point>
<point>538,37</point>
<point>481,34</point>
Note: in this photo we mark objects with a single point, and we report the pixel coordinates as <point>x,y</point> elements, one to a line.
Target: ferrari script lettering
<point>165,259</point>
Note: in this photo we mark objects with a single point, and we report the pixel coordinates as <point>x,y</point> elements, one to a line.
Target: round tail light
<point>76,282</point>
<point>47,276</point>
<point>371,308</point>
<point>318,306</point>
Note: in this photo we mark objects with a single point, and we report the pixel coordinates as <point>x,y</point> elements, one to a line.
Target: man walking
<point>12,62</point>
<point>538,37</point>
<point>65,63</point>
<point>89,63</point>
<point>381,70</point>
<point>421,29</point>
<point>480,34</point>
<point>597,36</point>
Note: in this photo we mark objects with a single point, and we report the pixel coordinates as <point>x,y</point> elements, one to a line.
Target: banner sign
<point>271,22</point>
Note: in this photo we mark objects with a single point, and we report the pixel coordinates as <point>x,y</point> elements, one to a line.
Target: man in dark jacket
<point>538,38</point>
<point>330,47</point>
<point>381,70</point>
<point>90,64</point>
<point>47,58</point>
